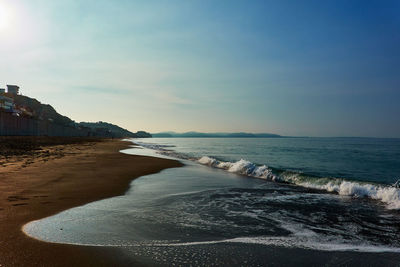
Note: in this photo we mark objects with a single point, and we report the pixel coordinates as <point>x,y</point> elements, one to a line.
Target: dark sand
<point>43,176</point>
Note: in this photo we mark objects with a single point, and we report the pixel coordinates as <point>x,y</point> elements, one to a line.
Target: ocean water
<point>360,167</point>
<point>252,202</point>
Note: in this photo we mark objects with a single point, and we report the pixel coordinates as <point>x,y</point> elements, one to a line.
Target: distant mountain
<point>215,135</point>
<point>114,130</point>
<point>143,134</point>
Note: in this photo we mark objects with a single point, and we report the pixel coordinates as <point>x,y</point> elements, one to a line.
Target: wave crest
<point>386,194</point>
<point>242,167</point>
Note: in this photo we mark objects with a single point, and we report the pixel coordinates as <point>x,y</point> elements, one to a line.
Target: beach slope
<point>58,177</point>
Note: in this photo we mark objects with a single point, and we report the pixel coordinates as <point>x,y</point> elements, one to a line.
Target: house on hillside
<point>13,89</point>
<point>6,103</point>
<point>26,111</point>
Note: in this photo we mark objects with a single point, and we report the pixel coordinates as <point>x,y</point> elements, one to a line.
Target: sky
<point>298,68</point>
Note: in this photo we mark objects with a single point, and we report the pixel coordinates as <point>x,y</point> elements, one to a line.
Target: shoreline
<point>84,173</point>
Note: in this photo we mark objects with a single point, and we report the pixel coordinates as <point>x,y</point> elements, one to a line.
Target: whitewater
<point>377,190</point>
<point>387,194</point>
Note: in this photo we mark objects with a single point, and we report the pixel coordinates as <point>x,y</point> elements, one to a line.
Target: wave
<point>298,240</point>
<point>290,242</point>
<point>242,166</point>
<point>386,194</point>
<point>154,146</point>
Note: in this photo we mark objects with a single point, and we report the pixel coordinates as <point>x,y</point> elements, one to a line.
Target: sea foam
<point>386,194</point>
<point>242,166</point>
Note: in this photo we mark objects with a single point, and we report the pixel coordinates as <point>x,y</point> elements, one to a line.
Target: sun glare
<point>3,17</point>
<point>6,16</point>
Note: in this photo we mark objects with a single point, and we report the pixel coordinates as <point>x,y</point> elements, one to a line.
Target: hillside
<point>114,129</point>
<point>41,111</point>
<point>34,109</point>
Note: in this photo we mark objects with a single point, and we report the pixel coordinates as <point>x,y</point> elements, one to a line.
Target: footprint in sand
<point>64,198</point>
<point>16,198</point>
<point>20,204</point>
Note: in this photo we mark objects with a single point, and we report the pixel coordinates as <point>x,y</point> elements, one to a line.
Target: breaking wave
<point>384,193</point>
<point>380,192</point>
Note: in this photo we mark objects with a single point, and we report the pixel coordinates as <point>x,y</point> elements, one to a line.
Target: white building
<point>13,89</point>
<point>6,103</point>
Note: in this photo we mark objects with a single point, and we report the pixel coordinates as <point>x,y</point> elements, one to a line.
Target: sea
<point>249,202</point>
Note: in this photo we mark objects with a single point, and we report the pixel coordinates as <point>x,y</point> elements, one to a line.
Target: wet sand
<point>50,176</point>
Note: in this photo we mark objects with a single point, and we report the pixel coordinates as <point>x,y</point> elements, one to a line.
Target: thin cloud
<point>170,98</point>
<point>101,90</point>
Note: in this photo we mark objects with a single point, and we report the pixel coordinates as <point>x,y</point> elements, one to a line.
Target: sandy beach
<point>45,176</point>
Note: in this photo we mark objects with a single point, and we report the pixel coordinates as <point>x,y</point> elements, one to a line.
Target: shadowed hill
<point>114,129</point>
<point>45,112</point>
<point>41,111</point>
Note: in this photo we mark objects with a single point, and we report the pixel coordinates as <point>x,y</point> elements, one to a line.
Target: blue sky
<point>315,68</point>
